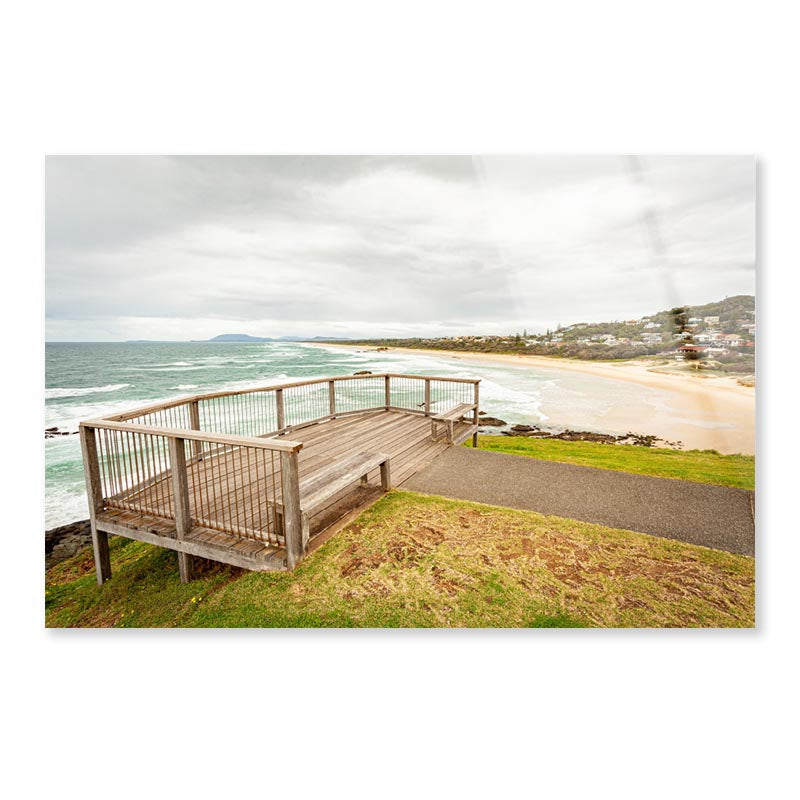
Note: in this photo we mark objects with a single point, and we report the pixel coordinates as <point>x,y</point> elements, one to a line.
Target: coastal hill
<point>725,329</point>
<point>244,337</point>
<point>238,337</point>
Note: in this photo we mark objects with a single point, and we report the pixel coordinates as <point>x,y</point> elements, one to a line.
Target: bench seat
<point>448,418</point>
<point>316,490</point>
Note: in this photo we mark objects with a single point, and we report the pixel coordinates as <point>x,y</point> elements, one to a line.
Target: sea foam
<point>58,392</point>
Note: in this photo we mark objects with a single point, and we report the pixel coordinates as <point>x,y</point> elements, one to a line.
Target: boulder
<point>64,541</point>
<point>493,422</point>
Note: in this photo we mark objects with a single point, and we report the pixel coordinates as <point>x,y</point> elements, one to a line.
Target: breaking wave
<point>56,393</point>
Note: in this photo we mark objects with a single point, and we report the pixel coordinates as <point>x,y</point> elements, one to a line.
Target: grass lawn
<point>414,560</point>
<point>702,466</point>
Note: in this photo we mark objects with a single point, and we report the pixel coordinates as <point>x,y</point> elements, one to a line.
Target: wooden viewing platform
<point>255,477</point>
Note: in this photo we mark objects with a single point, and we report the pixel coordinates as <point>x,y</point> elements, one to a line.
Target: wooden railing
<point>182,460</point>
<point>240,485</point>
<point>277,410</point>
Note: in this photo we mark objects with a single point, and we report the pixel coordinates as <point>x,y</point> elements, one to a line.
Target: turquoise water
<point>87,380</point>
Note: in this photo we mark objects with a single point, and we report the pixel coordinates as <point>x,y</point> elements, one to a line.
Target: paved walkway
<point>714,516</point>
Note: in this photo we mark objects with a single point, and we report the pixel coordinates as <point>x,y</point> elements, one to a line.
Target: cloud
<point>188,247</point>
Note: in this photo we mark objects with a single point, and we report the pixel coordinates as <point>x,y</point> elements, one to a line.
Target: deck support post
<point>294,526</point>
<point>194,424</point>
<point>332,398</point>
<point>180,497</point>
<point>386,476</point>
<point>281,418</point>
<point>94,493</point>
<point>475,413</point>
<point>427,397</point>
<point>387,391</point>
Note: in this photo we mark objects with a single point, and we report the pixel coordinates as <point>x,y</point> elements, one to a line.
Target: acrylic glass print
<point>400,391</point>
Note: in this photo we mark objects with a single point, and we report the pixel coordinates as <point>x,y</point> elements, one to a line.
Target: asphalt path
<point>714,516</point>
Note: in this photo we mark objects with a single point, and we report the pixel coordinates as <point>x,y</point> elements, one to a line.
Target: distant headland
<point>244,337</point>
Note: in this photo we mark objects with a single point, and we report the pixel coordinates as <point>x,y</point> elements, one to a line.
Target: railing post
<point>194,424</point>
<point>332,397</point>
<point>475,413</point>
<point>294,531</point>
<point>279,409</point>
<point>180,497</point>
<point>387,391</point>
<point>94,493</point>
<point>427,397</point>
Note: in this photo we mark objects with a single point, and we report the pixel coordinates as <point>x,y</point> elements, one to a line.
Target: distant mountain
<point>244,337</point>
<point>238,337</point>
<point>315,339</point>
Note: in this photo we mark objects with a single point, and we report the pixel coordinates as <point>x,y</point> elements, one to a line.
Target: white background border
<point>387,713</point>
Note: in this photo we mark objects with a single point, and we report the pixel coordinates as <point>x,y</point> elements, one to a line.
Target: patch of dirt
<point>443,583</point>
<point>360,562</point>
<point>424,535</point>
<point>467,518</point>
<point>377,589</point>
<point>626,603</point>
<point>526,548</point>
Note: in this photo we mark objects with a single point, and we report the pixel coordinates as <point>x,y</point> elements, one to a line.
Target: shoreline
<point>703,413</point>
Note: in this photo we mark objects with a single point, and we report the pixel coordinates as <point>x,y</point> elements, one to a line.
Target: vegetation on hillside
<point>418,561</point>
<point>574,341</point>
<point>701,466</point>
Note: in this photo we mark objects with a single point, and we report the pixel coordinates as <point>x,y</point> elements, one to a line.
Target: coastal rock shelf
<point>256,477</point>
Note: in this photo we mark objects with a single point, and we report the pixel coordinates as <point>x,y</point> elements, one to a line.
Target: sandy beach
<point>701,412</point>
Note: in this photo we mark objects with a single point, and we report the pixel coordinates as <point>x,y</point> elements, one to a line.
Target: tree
<point>680,319</point>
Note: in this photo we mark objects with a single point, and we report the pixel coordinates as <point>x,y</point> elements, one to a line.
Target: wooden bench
<point>317,489</point>
<point>448,418</point>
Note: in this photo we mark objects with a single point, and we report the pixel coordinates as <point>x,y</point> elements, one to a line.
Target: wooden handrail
<point>193,398</point>
<point>282,445</point>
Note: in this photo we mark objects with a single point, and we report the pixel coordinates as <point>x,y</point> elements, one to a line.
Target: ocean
<point>88,380</point>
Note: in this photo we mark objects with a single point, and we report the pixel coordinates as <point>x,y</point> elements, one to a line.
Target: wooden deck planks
<point>238,496</point>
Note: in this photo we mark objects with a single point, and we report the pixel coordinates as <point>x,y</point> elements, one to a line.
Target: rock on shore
<point>492,422</point>
<point>64,541</point>
<point>640,439</point>
<point>52,433</point>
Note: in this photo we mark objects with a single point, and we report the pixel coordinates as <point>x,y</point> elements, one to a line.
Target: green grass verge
<point>419,561</point>
<point>701,466</point>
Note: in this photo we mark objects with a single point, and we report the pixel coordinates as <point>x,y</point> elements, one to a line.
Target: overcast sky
<point>150,247</point>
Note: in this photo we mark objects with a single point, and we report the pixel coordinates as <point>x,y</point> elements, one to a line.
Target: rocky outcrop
<point>52,433</point>
<point>568,435</point>
<point>492,422</point>
<point>63,542</point>
<point>363,372</point>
